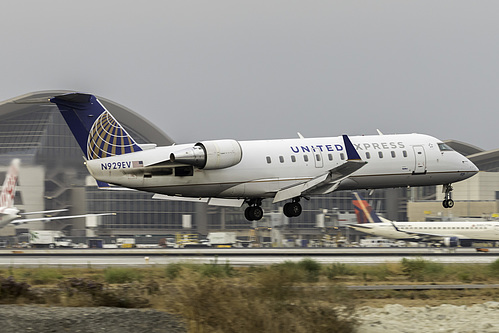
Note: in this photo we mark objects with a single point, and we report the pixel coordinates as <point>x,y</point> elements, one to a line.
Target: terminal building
<point>53,176</point>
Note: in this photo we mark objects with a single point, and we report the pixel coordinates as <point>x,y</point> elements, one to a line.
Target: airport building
<point>53,176</point>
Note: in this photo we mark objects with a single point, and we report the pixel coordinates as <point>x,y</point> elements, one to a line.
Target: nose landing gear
<point>448,202</point>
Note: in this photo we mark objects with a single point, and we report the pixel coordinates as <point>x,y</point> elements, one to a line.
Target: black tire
<point>257,213</point>
<point>247,213</point>
<point>287,210</point>
<point>296,209</point>
<point>444,203</point>
<point>253,213</point>
<point>292,209</point>
<point>450,203</point>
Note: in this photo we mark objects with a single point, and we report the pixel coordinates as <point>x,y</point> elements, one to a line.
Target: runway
<point>235,257</point>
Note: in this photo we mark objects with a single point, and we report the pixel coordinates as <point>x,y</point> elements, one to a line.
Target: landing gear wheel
<point>448,203</point>
<point>253,213</point>
<point>292,209</point>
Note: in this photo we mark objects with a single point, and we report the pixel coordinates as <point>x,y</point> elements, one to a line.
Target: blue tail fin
<point>365,213</point>
<point>98,133</point>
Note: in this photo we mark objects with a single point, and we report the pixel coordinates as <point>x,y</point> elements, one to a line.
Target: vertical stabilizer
<point>98,133</point>
<point>365,213</point>
<point>9,185</point>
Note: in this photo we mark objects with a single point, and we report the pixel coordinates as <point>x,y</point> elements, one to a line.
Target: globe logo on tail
<point>107,138</point>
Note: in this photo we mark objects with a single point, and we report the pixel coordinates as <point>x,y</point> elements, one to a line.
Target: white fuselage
<point>268,166</point>
<point>482,230</point>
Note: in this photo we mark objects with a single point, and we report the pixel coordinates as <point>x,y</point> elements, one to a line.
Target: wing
<point>210,201</point>
<point>327,182</point>
<point>47,219</point>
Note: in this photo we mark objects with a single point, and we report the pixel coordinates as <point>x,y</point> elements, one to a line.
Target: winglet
<point>393,224</point>
<point>352,153</point>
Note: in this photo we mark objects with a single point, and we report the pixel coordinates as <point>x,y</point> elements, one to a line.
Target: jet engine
<point>451,241</point>
<point>210,155</point>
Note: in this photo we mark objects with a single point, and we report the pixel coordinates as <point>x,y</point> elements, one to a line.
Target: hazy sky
<point>267,69</point>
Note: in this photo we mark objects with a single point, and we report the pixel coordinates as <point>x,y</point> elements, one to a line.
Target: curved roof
<point>485,155</point>
<point>126,116</point>
<point>463,147</point>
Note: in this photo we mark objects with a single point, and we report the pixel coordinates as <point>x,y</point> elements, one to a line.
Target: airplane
<point>232,173</point>
<point>449,234</point>
<point>10,214</point>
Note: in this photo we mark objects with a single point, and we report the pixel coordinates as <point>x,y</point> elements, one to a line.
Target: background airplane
<point>231,173</point>
<point>451,233</point>
<point>10,214</point>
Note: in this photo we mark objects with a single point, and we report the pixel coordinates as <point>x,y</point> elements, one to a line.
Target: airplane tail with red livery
<point>9,185</point>
<point>365,213</point>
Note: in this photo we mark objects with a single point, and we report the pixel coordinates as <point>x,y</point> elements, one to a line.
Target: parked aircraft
<point>451,233</point>
<point>231,173</point>
<point>10,214</point>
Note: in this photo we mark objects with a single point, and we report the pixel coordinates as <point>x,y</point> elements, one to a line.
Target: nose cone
<point>474,168</point>
<point>469,167</point>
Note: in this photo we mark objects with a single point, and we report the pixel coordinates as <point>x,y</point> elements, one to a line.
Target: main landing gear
<point>254,212</point>
<point>292,209</point>
<point>448,202</point>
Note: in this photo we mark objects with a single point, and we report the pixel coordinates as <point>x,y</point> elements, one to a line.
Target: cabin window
<point>380,154</point>
<point>393,153</point>
<point>305,158</point>
<point>404,153</point>
<point>318,157</point>
<point>330,156</point>
<point>368,155</point>
<point>293,158</point>
<point>269,160</point>
<point>281,159</point>
<point>342,156</point>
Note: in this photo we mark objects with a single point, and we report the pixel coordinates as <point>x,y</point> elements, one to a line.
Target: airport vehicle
<point>10,214</point>
<point>230,173</point>
<point>125,243</point>
<point>49,238</point>
<point>448,233</point>
<point>221,239</point>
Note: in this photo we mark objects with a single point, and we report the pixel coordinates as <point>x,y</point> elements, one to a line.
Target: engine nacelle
<point>451,242</point>
<point>210,155</point>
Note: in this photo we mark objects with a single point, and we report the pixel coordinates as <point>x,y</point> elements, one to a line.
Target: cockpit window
<point>444,147</point>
